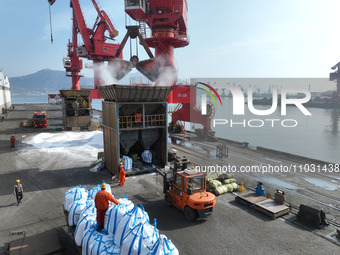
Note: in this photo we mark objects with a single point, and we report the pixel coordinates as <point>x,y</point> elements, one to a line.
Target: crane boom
<point>94,46</point>
<point>81,25</point>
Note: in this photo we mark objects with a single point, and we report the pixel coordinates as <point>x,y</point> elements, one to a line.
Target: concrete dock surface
<point>232,229</point>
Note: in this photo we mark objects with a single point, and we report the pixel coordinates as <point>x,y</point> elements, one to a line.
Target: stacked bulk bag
<point>97,242</point>
<point>127,229</point>
<point>131,244</point>
<point>147,156</point>
<point>89,236</point>
<point>226,183</point>
<point>127,163</point>
<point>126,203</point>
<point>163,246</point>
<point>90,208</point>
<point>150,236</point>
<point>75,210</point>
<point>129,221</point>
<point>115,212</point>
<point>83,226</point>
<point>77,193</point>
<point>110,248</point>
<point>141,238</point>
<point>213,184</point>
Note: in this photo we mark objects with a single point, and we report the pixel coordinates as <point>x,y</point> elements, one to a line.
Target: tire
<point>168,200</point>
<point>190,213</point>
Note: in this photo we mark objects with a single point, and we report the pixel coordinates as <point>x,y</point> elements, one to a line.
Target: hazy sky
<point>228,38</point>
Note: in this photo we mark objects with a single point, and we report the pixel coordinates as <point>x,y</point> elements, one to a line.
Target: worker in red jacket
<point>12,141</point>
<point>121,174</point>
<point>102,203</point>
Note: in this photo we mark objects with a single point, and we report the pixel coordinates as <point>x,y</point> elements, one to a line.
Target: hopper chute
<point>127,140</point>
<point>148,138</point>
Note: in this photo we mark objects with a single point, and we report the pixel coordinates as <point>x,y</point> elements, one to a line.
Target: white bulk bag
<point>115,212</point>
<point>88,237</point>
<point>126,203</point>
<point>162,247</point>
<point>98,241</point>
<point>83,225</point>
<point>129,221</point>
<point>131,244</point>
<point>89,209</point>
<point>110,248</point>
<point>150,236</point>
<point>79,192</point>
<point>75,209</point>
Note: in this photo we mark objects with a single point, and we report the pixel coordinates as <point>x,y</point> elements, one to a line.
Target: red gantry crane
<point>167,20</point>
<point>167,29</point>
<point>95,47</point>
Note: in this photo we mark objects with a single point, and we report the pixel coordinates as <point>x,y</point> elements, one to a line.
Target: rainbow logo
<point>209,93</point>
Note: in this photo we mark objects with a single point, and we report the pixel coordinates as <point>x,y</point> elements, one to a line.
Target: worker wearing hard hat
<point>12,138</point>
<point>18,191</point>
<point>121,174</point>
<point>102,203</point>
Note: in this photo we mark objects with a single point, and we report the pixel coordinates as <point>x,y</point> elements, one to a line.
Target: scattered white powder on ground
<point>80,146</point>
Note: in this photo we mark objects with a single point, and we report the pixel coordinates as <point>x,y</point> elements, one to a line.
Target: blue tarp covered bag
<point>147,156</point>
<point>127,163</point>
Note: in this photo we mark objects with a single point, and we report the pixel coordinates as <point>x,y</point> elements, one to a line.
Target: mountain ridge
<point>43,82</point>
<point>47,81</point>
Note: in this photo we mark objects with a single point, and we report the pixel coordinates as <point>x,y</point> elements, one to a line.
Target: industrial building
<point>76,108</point>
<point>5,93</point>
<point>135,124</point>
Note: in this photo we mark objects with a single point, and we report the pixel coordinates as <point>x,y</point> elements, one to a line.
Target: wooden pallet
<point>248,198</point>
<point>271,208</point>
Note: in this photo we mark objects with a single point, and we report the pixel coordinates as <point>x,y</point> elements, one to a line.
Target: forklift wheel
<point>168,200</point>
<point>190,213</point>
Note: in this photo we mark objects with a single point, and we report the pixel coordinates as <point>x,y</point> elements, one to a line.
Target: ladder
<point>142,29</point>
<point>79,98</point>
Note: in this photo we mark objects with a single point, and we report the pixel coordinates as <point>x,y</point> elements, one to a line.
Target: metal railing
<point>135,121</point>
<point>76,95</point>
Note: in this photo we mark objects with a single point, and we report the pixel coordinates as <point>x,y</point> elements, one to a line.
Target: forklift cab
<point>188,193</point>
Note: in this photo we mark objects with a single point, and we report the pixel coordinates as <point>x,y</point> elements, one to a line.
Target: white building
<point>5,93</point>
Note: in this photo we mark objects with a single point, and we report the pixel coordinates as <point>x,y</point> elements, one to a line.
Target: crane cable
<point>49,6</point>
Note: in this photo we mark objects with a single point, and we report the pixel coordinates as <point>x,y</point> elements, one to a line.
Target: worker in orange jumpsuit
<point>121,174</point>
<point>102,203</point>
<point>12,141</point>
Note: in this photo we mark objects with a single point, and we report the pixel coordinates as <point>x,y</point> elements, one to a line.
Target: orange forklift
<point>186,190</point>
